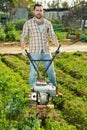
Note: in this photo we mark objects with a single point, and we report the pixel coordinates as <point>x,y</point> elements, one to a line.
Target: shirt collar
<point>37,22</point>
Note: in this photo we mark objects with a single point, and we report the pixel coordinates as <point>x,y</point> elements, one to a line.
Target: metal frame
<point>51,60</point>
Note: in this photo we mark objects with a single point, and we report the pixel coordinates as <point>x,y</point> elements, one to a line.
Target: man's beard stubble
<point>38,16</point>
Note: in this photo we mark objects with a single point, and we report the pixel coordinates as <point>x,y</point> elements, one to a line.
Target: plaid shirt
<point>38,40</point>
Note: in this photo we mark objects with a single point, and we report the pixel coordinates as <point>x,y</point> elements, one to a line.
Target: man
<point>39,30</point>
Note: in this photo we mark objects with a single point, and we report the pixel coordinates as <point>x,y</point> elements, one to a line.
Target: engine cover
<point>40,98</point>
<point>45,87</point>
<point>43,92</point>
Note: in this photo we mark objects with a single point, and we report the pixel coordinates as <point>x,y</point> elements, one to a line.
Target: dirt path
<point>15,48</point>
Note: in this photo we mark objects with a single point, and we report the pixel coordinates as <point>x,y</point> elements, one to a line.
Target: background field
<point>70,111</point>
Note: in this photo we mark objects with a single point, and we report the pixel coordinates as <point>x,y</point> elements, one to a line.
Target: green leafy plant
<point>11,33</point>
<point>61,35</point>
<point>84,33</point>
<point>70,110</point>
<point>19,23</point>
<point>2,33</point>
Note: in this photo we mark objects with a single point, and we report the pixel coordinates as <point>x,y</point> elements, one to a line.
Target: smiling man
<point>39,30</point>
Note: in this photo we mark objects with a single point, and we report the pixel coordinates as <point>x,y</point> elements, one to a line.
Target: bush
<point>84,33</point>
<point>19,23</point>
<point>11,33</point>
<point>75,113</point>
<point>56,125</point>
<point>61,35</point>
<point>58,27</point>
<point>2,33</point>
<point>5,15</point>
<point>9,26</point>
<point>54,21</point>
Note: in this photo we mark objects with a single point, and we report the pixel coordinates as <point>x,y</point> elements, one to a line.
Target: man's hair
<point>37,5</point>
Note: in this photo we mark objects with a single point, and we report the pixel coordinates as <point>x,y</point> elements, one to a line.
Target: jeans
<point>50,71</point>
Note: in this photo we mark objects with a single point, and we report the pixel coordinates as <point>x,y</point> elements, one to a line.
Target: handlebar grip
<point>26,51</point>
<point>28,54</point>
<point>57,51</point>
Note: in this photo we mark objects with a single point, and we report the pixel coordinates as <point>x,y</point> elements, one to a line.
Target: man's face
<point>38,12</point>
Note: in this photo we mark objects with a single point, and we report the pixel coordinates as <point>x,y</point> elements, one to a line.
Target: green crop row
<point>78,81</point>
<point>56,122</point>
<point>73,107</point>
<point>13,97</point>
<point>70,109</point>
<point>14,107</point>
<point>77,87</point>
<point>17,65</point>
<point>72,66</point>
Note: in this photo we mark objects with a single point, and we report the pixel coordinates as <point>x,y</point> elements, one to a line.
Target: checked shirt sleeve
<point>25,32</point>
<point>52,33</point>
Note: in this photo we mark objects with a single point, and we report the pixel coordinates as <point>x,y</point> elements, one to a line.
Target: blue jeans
<point>50,71</point>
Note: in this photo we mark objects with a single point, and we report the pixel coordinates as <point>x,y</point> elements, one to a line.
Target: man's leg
<point>50,71</point>
<point>33,72</point>
<point>33,75</point>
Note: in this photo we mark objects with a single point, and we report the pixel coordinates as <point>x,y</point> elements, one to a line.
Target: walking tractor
<point>42,91</point>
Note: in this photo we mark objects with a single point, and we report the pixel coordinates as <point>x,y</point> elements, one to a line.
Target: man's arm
<point>55,42</point>
<point>23,38</point>
<point>23,44</point>
<point>53,36</point>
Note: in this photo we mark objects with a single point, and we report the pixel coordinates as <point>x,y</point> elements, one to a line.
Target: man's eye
<point>39,10</point>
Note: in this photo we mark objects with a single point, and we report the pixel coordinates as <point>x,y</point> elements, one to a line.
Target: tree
<point>79,2</point>
<point>23,3</point>
<point>65,4</point>
<point>5,4</point>
<point>54,4</point>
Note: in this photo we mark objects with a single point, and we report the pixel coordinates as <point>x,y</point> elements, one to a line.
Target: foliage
<point>11,33</point>
<point>6,3</point>
<point>19,23</point>
<point>55,21</point>
<point>54,4</point>
<point>65,4</point>
<point>12,30</point>
<point>70,111</point>
<point>13,100</point>
<point>61,35</point>
<point>2,33</point>
<point>58,27</point>
<point>58,102</point>
<point>4,15</point>
<point>77,114</point>
<point>55,125</point>
<point>9,26</point>
<point>22,3</point>
<point>84,34</point>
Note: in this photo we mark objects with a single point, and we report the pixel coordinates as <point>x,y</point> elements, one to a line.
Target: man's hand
<point>55,42</point>
<point>24,52</point>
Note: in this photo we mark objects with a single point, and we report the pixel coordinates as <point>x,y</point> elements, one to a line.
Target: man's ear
<point>43,11</point>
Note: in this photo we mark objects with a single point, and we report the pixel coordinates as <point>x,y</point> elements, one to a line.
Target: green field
<point>70,111</point>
